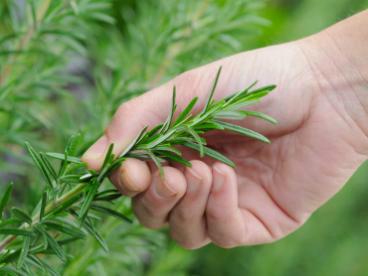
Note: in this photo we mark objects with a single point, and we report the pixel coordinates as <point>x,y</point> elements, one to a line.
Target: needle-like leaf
<point>134,142</point>
<point>5,199</point>
<point>198,140</point>
<point>211,153</point>
<point>167,124</point>
<point>89,227</point>
<point>24,251</point>
<point>110,212</point>
<point>64,227</point>
<point>244,131</point>
<point>184,114</point>
<point>55,247</point>
<point>260,115</point>
<point>90,194</point>
<point>61,156</point>
<point>212,91</point>
<point>39,163</point>
<point>21,215</point>
<point>170,156</point>
<point>15,231</point>
<point>43,205</point>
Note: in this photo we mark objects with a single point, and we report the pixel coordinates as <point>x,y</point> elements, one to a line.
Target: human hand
<point>273,190</point>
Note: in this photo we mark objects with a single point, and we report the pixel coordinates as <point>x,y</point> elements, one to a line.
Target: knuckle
<point>226,240</point>
<point>189,245</point>
<point>214,213</point>
<point>150,210</point>
<point>141,209</point>
<point>186,243</point>
<point>227,244</point>
<point>151,224</point>
<point>146,219</point>
<point>181,214</point>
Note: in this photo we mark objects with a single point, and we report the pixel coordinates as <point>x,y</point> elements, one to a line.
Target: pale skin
<point>321,104</point>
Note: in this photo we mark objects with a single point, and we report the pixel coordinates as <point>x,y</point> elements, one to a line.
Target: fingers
<point>200,203</point>
<point>132,178</point>
<point>153,206</point>
<point>187,222</point>
<point>226,226</point>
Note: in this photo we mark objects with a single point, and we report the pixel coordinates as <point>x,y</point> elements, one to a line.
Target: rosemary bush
<point>86,57</point>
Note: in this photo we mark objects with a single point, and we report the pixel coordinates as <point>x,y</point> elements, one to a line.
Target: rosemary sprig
<point>73,197</point>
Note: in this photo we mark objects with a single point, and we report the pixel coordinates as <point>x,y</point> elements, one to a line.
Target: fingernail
<point>218,178</point>
<point>194,180</point>
<point>125,180</point>
<point>163,188</point>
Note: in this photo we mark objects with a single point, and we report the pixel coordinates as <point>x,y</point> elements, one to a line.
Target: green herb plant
<point>74,196</point>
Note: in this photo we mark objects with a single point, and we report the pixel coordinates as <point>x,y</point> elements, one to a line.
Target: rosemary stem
<point>53,205</point>
<point>6,241</point>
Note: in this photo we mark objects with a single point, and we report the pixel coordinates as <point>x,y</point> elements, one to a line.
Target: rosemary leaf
<point>110,212</point>
<point>55,247</point>
<point>64,227</point>
<point>259,115</point>
<point>184,114</point>
<point>43,205</point>
<point>91,192</point>
<point>24,251</point>
<point>170,156</point>
<point>21,215</point>
<point>39,163</point>
<point>211,153</point>
<point>61,156</point>
<point>212,91</point>
<point>15,231</point>
<point>5,198</point>
<point>244,131</point>
<point>167,124</point>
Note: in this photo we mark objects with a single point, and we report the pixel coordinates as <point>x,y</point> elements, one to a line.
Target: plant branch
<point>75,191</point>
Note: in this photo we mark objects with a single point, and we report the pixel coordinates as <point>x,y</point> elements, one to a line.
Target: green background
<point>97,65</point>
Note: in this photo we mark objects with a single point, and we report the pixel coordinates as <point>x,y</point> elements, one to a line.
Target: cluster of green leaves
<point>36,49</point>
<point>164,38</point>
<point>73,197</point>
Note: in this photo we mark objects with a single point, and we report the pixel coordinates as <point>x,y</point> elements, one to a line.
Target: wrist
<point>338,59</point>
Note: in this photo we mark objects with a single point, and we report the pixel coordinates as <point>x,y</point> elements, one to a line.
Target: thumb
<point>131,117</point>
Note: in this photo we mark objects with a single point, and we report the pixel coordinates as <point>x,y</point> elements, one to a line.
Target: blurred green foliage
<point>79,65</point>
